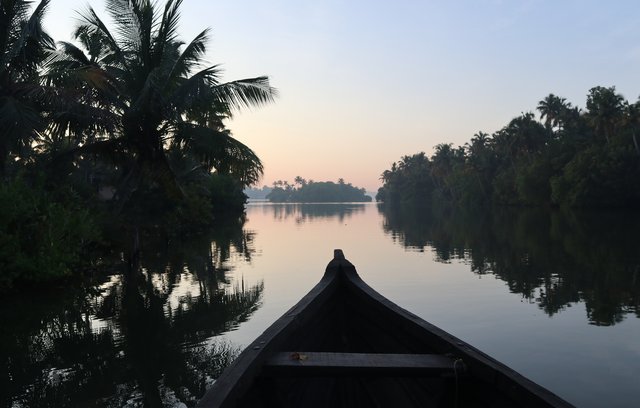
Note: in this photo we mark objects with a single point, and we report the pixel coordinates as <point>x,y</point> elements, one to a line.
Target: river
<point>554,295</point>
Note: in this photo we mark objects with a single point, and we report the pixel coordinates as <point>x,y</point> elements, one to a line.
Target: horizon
<point>364,83</point>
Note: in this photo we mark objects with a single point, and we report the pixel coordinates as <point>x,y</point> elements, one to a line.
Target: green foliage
<point>504,187</point>
<point>205,200</point>
<point>601,176</point>
<point>150,96</point>
<point>409,180</point>
<point>128,108</point>
<point>42,237</point>
<point>573,158</point>
<point>226,195</point>
<point>532,182</point>
<point>604,108</point>
<point>23,47</point>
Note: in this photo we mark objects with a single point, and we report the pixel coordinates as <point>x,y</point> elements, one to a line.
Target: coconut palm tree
<point>522,136</point>
<point>552,110</point>
<point>480,142</point>
<point>605,110</point>
<point>149,94</point>
<point>23,47</point>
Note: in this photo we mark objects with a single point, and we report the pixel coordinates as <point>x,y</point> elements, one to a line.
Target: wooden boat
<point>345,345</point>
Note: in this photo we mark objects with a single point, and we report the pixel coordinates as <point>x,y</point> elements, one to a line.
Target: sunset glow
<point>364,82</point>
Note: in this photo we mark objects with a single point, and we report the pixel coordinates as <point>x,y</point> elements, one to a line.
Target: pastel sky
<point>364,82</point>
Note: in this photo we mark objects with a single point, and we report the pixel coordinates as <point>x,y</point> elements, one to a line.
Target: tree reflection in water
<point>554,258</point>
<point>144,337</point>
<point>303,212</point>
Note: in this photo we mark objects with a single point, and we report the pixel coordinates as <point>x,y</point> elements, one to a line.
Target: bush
<point>43,236</point>
<point>533,182</point>
<point>607,176</point>
<point>205,201</point>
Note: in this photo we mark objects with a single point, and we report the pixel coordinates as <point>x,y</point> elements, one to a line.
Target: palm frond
<point>80,77</point>
<point>167,33</point>
<point>246,93</point>
<point>84,120</point>
<point>94,43</point>
<point>19,122</point>
<point>111,150</point>
<point>191,56</point>
<point>34,25</point>
<point>188,92</point>
<point>94,25</point>
<point>27,43</point>
<point>13,15</point>
<point>75,53</point>
<point>126,24</point>
<point>218,150</point>
<point>144,19</point>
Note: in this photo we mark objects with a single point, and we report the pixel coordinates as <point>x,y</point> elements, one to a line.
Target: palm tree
<point>149,94</point>
<point>605,109</point>
<point>552,110</point>
<point>444,162</point>
<point>300,181</point>
<point>631,120</point>
<point>480,142</point>
<point>23,47</point>
<point>481,158</point>
<point>522,136</point>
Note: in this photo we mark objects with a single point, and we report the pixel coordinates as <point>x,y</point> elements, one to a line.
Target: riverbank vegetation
<point>565,157</point>
<point>303,191</point>
<point>114,136</point>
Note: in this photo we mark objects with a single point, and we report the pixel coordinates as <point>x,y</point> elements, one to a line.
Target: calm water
<point>553,295</point>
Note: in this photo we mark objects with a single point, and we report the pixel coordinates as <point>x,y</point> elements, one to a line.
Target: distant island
<point>303,191</point>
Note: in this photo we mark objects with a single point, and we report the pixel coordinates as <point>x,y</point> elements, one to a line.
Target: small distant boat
<point>345,345</point>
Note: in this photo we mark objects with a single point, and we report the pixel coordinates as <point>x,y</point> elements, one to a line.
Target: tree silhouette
<point>604,110</point>
<point>23,47</point>
<point>154,96</point>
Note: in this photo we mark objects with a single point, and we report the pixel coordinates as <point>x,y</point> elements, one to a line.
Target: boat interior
<point>349,349</point>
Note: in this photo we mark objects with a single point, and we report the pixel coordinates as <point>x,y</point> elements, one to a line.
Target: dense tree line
<point>303,191</point>
<point>121,129</point>
<point>566,157</point>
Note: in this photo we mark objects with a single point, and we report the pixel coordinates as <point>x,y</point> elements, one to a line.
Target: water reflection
<point>144,337</point>
<point>553,258</point>
<point>302,213</point>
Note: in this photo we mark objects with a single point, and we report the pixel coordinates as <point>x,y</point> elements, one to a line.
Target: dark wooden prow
<point>339,264</point>
<point>337,364</point>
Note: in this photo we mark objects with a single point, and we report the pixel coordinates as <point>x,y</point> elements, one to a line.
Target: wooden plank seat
<point>323,364</point>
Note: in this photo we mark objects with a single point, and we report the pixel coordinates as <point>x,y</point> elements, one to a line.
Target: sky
<point>364,82</point>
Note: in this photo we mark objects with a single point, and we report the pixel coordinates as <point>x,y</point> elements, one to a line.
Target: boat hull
<point>345,345</point>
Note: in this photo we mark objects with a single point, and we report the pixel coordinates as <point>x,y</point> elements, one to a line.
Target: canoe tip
<point>338,254</point>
